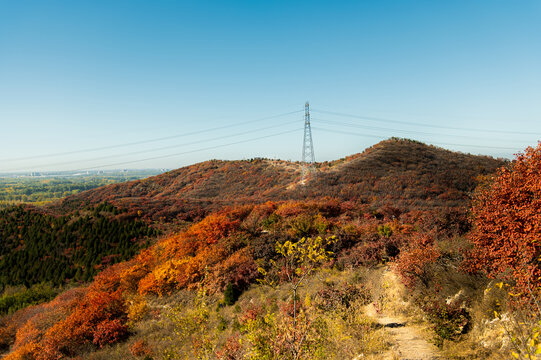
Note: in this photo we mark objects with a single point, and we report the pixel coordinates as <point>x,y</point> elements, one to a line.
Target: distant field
<point>38,190</point>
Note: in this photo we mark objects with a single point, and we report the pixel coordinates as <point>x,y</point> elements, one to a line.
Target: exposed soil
<point>407,340</point>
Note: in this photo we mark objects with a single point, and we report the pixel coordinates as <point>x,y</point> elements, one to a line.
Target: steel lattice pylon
<point>308,158</point>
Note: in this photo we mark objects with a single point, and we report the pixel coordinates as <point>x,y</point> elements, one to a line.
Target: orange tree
<point>507,223</point>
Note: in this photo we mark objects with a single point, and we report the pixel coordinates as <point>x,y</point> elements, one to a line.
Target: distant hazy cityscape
<point>131,173</point>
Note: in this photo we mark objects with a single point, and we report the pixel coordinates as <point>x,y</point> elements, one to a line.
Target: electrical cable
<point>435,143</point>
<point>161,148</point>
<point>420,124</point>
<point>221,137</point>
<point>189,152</point>
<point>149,140</point>
<point>333,122</point>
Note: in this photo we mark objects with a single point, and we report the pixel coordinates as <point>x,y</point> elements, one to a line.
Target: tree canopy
<point>507,219</point>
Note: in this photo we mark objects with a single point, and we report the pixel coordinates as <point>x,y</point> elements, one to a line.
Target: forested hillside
<point>36,247</point>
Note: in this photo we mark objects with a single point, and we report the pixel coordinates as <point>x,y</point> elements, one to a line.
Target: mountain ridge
<point>401,169</point>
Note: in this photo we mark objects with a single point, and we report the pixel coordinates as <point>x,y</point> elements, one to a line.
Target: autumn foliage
<point>225,250</point>
<point>375,207</point>
<point>507,217</point>
<point>413,262</point>
<point>400,173</point>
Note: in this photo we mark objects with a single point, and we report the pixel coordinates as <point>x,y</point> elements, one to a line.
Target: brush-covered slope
<point>406,173</point>
<point>72,239</point>
<point>394,202</point>
<point>190,192</point>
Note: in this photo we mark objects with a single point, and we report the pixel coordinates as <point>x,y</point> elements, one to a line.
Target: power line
<point>333,122</point>
<point>421,124</point>
<point>161,148</point>
<point>221,137</point>
<point>188,152</point>
<point>435,143</point>
<point>149,140</point>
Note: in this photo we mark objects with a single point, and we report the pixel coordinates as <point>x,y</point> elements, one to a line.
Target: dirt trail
<point>407,342</point>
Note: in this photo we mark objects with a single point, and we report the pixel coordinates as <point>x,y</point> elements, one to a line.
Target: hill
<point>399,202</point>
<point>402,173</point>
<point>91,229</point>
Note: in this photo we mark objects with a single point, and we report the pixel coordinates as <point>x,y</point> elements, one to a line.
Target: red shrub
<point>140,348</point>
<point>213,227</point>
<point>239,269</point>
<point>507,219</point>
<point>412,263</point>
<point>88,319</point>
<point>231,350</point>
<point>109,331</point>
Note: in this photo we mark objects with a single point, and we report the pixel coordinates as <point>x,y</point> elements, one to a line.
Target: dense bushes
<point>507,218</point>
<point>97,316</point>
<point>449,319</point>
<point>223,251</point>
<point>376,216</point>
<point>10,303</point>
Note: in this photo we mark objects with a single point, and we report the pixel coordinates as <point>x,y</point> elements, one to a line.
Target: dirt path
<point>407,342</point>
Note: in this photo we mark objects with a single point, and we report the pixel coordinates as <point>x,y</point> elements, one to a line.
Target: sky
<point>163,84</point>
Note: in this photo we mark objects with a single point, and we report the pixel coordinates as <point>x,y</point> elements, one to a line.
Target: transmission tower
<point>307,145</point>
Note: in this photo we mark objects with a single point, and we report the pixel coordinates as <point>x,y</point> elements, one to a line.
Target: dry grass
<point>346,332</point>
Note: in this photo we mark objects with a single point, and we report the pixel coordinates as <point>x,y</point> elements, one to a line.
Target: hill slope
<point>394,202</point>
<point>406,172</point>
<point>403,172</point>
<point>389,179</point>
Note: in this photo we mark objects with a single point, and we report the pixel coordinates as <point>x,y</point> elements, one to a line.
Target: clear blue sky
<point>77,75</point>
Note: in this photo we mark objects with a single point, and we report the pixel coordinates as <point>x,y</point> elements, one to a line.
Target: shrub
<point>231,350</point>
<point>108,332</point>
<point>230,295</point>
<point>507,219</point>
<point>334,296</point>
<point>412,264</point>
<point>140,348</point>
<point>373,251</point>
<point>305,225</point>
<point>449,319</point>
<point>271,222</point>
<point>385,230</point>
<point>137,309</point>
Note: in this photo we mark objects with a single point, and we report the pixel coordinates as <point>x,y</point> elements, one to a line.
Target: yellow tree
<point>299,260</point>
